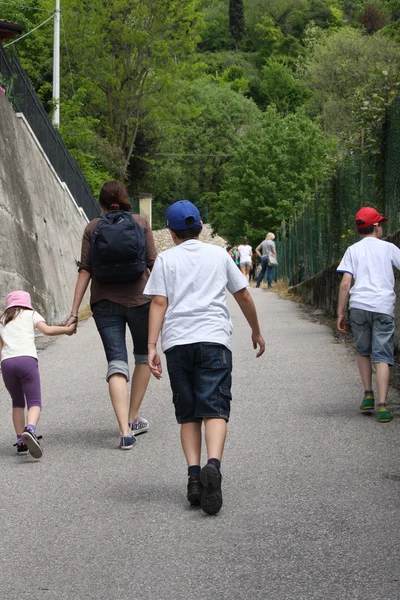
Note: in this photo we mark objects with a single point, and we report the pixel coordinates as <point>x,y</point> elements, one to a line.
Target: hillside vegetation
<point>242,106</point>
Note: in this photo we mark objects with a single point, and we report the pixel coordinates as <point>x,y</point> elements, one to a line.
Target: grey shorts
<point>373,335</point>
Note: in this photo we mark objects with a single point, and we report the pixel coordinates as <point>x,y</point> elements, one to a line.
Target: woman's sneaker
<point>139,426</point>
<point>21,448</point>
<point>30,439</point>
<point>127,442</point>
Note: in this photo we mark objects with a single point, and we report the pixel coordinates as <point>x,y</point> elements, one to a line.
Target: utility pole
<point>56,65</point>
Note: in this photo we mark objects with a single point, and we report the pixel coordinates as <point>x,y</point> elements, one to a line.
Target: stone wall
<point>41,225</point>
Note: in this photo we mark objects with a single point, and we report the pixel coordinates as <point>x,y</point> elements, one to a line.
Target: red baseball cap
<point>367,216</point>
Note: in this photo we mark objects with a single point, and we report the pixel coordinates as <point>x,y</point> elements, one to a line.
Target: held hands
<point>71,329</point>
<point>71,324</point>
<point>155,362</point>
<point>258,340</point>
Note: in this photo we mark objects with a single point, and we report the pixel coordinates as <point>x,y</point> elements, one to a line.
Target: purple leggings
<point>21,378</point>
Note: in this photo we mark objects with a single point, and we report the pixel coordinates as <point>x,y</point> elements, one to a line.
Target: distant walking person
<point>264,251</point>
<point>118,253</point>
<point>19,366</point>
<point>188,285</point>
<point>370,263</point>
<point>245,257</point>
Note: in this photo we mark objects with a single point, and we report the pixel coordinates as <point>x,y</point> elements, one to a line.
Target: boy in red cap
<point>370,263</point>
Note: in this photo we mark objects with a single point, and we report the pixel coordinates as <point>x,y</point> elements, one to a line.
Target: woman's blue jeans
<point>265,267</point>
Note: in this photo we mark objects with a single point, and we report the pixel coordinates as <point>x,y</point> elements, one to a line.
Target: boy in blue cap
<point>188,285</point>
<point>370,263</point>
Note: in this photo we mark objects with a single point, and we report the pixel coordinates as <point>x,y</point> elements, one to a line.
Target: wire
<point>29,32</point>
<point>170,154</point>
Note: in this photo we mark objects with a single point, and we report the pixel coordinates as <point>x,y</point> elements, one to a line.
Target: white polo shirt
<point>19,335</point>
<point>193,276</point>
<point>371,263</point>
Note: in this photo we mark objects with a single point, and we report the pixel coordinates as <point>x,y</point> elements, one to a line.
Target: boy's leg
<point>191,442</point>
<point>382,381</point>
<point>215,435</point>
<point>213,398</point>
<point>180,364</point>
<point>383,357</point>
<point>365,368</point>
<point>362,326</point>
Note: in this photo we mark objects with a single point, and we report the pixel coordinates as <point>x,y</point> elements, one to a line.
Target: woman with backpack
<point>118,253</point>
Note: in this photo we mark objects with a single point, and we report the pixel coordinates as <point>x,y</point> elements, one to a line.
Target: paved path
<point>311,487</point>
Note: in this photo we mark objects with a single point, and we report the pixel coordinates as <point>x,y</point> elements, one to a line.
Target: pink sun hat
<point>22,299</point>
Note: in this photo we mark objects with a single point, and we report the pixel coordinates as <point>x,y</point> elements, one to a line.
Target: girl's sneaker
<point>30,439</point>
<point>139,426</point>
<point>21,449</point>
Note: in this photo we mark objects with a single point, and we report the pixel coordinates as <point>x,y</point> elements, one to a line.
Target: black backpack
<point>118,248</point>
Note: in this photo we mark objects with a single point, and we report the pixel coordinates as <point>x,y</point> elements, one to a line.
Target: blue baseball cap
<point>183,215</point>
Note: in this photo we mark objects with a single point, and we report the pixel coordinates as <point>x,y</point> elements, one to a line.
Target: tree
<point>271,173</point>
<point>125,54</point>
<point>189,150</point>
<point>343,67</point>
<point>236,20</point>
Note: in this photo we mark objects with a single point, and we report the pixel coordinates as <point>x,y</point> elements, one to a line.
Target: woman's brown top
<point>129,293</point>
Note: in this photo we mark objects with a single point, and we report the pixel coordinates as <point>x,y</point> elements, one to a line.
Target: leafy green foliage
<point>271,173</point>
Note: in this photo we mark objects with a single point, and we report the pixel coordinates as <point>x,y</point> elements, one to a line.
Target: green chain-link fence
<point>320,234</point>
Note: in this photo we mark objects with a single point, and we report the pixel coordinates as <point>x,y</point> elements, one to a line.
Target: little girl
<point>19,365</point>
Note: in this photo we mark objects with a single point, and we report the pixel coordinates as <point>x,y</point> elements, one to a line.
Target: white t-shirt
<point>371,262</point>
<point>245,254</point>
<point>193,277</point>
<point>19,335</point>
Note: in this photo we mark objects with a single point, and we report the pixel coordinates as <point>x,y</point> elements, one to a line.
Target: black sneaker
<point>211,498</point>
<point>21,449</point>
<point>194,491</point>
<point>32,442</point>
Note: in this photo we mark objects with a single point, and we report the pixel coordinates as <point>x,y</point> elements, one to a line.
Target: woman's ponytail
<point>114,196</point>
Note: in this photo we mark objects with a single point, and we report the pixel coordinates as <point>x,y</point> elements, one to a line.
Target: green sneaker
<point>384,414</point>
<point>368,402</point>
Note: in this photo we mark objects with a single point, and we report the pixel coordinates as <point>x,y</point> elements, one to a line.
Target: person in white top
<point>19,365</point>
<point>188,285</point>
<point>370,263</point>
<point>245,257</point>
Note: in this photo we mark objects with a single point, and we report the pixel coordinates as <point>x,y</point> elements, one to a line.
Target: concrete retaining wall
<point>41,225</point>
<point>322,290</point>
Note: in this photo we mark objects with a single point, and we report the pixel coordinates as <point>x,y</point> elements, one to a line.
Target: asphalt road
<point>311,486</point>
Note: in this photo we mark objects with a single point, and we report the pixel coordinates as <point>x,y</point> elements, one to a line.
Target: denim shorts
<point>373,335</point>
<point>201,379</point>
<point>111,320</point>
